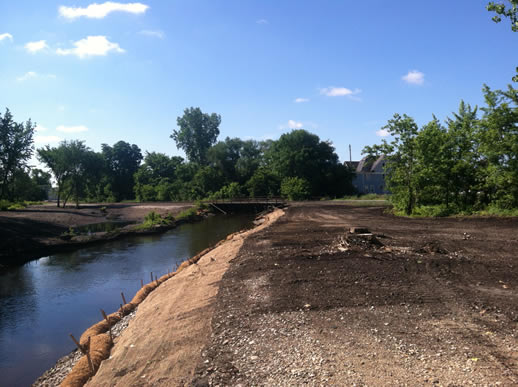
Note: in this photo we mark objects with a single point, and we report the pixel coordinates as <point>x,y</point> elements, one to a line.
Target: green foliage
<point>295,188</point>
<point>188,214</point>
<point>152,219</point>
<point>16,147</point>
<point>121,162</point>
<point>196,134</point>
<point>229,191</point>
<point>302,154</point>
<point>511,13</point>
<point>468,165</point>
<point>264,183</point>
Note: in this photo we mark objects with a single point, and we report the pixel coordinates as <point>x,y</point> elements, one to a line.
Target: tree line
<point>468,163</point>
<point>297,166</point>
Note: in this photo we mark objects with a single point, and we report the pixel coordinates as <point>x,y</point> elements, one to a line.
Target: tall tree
<point>122,161</point>
<point>499,144</point>
<point>510,12</point>
<point>70,164</point>
<point>197,132</point>
<point>401,176</point>
<point>302,154</point>
<point>16,147</point>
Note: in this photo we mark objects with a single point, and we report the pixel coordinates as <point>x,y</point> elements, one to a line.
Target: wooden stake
<point>89,358</point>
<point>141,284</point>
<point>151,276</point>
<point>78,345</point>
<point>156,279</point>
<point>109,326</point>
<point>123,298</point>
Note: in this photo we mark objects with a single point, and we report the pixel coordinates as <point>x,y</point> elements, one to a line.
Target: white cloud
<point>28,75</point>
<point>414,77</point>
<point>34,47</point>
<point>99,11</point>
<point>40,128</point>
<point>46,139</point>
<point>91,46</point>
<point>292,124</point>
<point>300,100</point>
<point>33,75</point>
<point>339,91</point>
<point>382,133</point>
<point>262,21</point>
<point>153,33</point>
<point>71,129</point>
<point>6,36</point>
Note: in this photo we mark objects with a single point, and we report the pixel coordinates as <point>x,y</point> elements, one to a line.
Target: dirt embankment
<point>423,302</point>
<point>162,344</point>
<point>27,234</point>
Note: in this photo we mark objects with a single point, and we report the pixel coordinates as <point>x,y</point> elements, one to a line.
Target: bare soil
<point>30,232</point>
<point>421,302</point>
<point>162,344</point>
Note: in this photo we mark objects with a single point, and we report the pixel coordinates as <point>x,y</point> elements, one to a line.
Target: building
<point>369,175</point>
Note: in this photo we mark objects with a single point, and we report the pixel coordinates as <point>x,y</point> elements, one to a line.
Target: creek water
<point>45,300</point>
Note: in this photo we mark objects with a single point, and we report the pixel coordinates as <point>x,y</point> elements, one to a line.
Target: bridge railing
<point>251,200</point>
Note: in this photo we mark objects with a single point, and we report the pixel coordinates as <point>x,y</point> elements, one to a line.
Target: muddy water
<point>45,300</point>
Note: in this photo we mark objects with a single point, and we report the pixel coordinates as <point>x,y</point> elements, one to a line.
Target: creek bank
<point>50,239</point>
<point>179,308</point>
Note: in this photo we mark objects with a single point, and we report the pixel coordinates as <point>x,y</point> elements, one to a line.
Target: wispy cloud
<point>33,75</point>
<point>34,47</point>
<point>414,77</point>
<point>382,133</point>
<point>6,36</point>
<point>40,128</point>
<point>262,21</point>
<point>333,91</point>
<point>301,100</point>
<point>153,33</point>
<point>91,46</point>
<point>291,124</point>
<point>72,129</point>
<point>38,139</point>
<point>100,11</point>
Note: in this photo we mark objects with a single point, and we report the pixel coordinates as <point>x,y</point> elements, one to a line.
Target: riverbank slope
<point>162,344</point>
<point>32,232</point>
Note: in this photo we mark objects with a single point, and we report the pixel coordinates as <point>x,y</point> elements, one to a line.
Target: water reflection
<point>45,300</point>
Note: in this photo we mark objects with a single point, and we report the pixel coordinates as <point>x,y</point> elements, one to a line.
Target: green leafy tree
<point>122,161</point>
<point>302,154</point>
<point>237,159</point>
<point>499,145</point>
<point>401,174</point>
<point>264,183</point>
<point>510,12</point>
<point>295,188</point>
<point>71,164</point>
<point>196,134</point>
<point>16,147</point>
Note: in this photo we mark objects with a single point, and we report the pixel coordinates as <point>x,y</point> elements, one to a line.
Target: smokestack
<point>350,155</point>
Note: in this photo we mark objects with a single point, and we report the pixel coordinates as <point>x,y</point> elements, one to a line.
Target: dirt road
<point>434,303</point>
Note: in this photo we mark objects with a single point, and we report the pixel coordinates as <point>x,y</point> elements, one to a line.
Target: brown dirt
<point>28,233</point>
<point>435,303</point>
<point>162,344</point>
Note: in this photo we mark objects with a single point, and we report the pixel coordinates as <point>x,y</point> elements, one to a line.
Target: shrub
<point>295,188</point>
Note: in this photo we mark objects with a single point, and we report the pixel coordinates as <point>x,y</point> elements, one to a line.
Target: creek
<point>45,300</point>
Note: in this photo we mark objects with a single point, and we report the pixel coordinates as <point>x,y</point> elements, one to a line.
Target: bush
<point>295,188</point>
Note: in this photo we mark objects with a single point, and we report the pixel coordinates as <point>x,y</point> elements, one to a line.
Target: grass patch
<point>153,219</point>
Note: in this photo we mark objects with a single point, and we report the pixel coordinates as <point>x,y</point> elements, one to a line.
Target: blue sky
<point>340,69</point>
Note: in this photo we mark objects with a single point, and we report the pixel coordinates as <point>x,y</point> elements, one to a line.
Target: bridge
<point>255,204</point>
